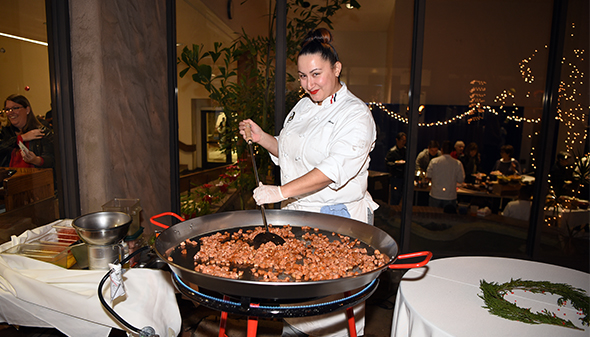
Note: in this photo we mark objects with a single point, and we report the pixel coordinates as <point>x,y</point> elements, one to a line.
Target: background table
<point>441,299</point>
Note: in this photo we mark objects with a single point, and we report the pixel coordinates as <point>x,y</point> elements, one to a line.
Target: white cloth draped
<point>40,294</point>
<point>441,299</point>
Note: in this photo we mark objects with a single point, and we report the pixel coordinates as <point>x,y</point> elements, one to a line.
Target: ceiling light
<point>23,39</point>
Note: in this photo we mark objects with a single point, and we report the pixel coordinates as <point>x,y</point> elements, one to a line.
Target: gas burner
<point>272,308</point>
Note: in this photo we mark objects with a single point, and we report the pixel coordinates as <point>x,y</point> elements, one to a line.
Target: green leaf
<point>183,72</point>
<point>205,71</point>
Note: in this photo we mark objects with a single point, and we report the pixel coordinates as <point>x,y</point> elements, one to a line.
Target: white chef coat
<point>335,137</point>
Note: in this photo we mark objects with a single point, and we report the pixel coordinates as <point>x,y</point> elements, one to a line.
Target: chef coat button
<point>301,135</point>
<point>297,158</point>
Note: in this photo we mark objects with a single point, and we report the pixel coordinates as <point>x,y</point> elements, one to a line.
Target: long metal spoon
<point>266,236</point>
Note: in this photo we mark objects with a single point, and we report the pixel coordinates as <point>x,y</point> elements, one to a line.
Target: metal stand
<point>276,310</point>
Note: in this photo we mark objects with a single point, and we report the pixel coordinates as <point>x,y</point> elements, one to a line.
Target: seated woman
<point>24,142</point>
<point>506,165</point>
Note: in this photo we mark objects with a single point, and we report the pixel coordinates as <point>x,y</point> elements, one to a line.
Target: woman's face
<point>460,148</point>
<point>18,115</point>
<point>317,76</point>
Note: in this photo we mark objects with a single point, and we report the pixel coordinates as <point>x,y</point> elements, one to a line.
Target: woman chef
<point>323,151</point>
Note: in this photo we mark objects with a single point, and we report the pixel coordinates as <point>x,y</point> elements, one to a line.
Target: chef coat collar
<point>337,95</point>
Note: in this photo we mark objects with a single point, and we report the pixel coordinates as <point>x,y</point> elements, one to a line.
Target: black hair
<point>447,147</point>
<point>319,41</point>
<point>526,192</point>
<point>508,149</point>
<point>433,143</point>
<point>400,135</point>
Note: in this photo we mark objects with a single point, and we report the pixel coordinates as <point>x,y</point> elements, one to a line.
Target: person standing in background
<point>445,172</point>
<point>396,163</point>
<point>561,176</point>
<point>25,142</point>
<point>458,152</point>
<point>506,165</point>
<point>471,162</point>
<point>427,155</point>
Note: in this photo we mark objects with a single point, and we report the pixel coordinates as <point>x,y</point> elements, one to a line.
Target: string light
<point>570,112</point>
<point>457,118</point>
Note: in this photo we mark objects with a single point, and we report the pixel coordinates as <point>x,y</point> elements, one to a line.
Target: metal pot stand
<point>276,309</point>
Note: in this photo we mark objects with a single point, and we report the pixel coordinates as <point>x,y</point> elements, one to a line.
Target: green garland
<point>493,296</point>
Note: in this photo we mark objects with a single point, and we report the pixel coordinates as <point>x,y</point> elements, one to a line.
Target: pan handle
<point>412,265</point>
<point>153,221</point>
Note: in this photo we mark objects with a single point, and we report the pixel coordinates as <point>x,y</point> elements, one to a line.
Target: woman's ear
<point>337,68</point>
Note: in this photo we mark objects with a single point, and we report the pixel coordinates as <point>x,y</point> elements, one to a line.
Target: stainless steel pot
<point>210,224</point>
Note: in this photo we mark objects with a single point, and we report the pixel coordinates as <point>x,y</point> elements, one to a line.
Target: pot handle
<point>412,265</point>
<point>153,221</point>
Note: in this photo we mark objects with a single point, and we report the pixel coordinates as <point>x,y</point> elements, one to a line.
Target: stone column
<point>120,98</point>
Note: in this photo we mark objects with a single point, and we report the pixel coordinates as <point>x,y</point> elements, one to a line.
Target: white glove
<point>268,194</point>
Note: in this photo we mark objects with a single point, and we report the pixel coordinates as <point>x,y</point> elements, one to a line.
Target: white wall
<point>206,22</point>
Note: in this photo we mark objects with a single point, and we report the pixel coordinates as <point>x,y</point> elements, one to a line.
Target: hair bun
<point>320,35</point>
<point>319,41</point>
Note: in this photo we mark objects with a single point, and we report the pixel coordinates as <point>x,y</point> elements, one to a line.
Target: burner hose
<point>146,331</point>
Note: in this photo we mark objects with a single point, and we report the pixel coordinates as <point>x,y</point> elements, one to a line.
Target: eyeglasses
<point>12,109</point>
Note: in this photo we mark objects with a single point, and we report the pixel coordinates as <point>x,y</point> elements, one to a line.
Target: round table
<point>441,299</point>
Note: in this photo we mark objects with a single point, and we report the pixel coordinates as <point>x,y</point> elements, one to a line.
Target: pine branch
<point>493,297</point>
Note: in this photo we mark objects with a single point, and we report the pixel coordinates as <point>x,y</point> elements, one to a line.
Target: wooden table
<point>26,186</point>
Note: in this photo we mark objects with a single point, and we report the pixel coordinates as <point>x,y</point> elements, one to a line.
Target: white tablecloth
<point>441,299</point>
<point>40,294</point>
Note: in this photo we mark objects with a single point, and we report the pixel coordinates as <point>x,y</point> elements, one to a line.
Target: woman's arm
<point>7,143</point>
<point>259,136</point>
<point>312,181</point>
<point>42,151</point>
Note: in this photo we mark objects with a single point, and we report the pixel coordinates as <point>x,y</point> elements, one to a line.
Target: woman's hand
<point>256,131</point>
<point>32,135</point>
<point>31,158</point>
<point>259,136</point>
<point>268,194</point>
